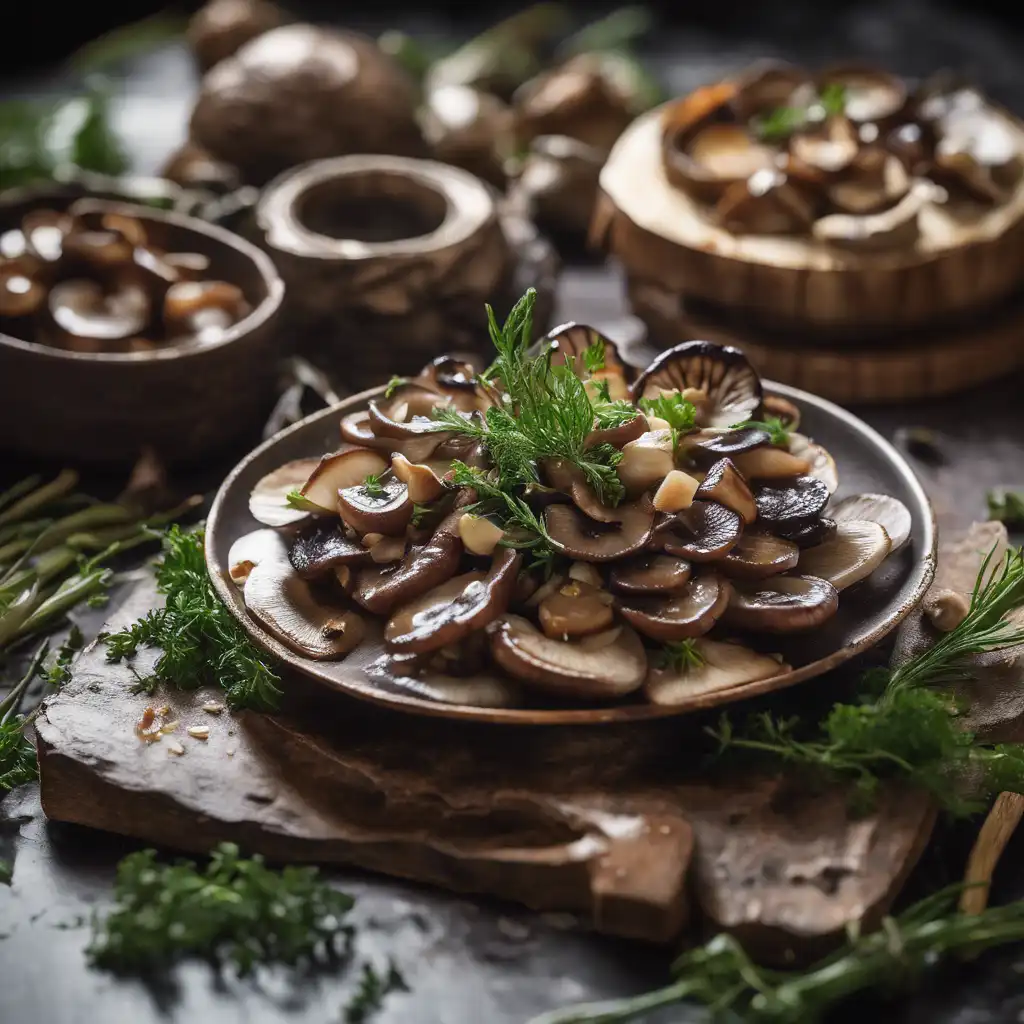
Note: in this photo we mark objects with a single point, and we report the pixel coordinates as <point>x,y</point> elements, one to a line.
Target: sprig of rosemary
<point>234,911</point>
<point>905,725</point>
<point>201,643</point>
<point>721,976</point>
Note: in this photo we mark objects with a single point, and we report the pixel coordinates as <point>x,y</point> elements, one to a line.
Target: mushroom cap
<point>84,309</point>
<point>720,371</point>
<point>857,548</point>
<point>890,513</point>
<point>575,609</point>
<point>478,690</point>
<point>22,292</point>
<point>822,465</point>
<point>769,202</point>
<point>301,93</point>
<point>650,574</point>
<point>724,665</point>
<point>334,472</point>
<point>220,27</point>
<point>357,429</point>
<point>620,436</point>
<point>711,445</point>
<point>586,540</point>
<point>689,613</point>
<point>766,85</point>
<point>791,505</point>
<point>896,226</point>
<point>387,511</point>
<point>782,604</point>
<point>588,668</point>
<point>571,340</point>
<point>569,479</point>
<point>705,532</point>
<point>817,531</point>
<point>725,485</point>
<point>870,95</point>
<point>454,609</point>
<point>758,555</point>
<point>268,500</point>
<point>321,547</point>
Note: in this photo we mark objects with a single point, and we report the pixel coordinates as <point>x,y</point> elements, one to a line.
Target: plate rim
<point>615,714</point>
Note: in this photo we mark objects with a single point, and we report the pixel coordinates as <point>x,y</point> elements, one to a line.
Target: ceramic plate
<point>867,612</point>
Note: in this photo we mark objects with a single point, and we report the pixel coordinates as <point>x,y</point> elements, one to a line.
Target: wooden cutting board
<point>608,824</point>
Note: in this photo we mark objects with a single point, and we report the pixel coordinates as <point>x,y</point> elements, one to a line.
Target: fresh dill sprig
<point>721,976</point>
<point>679,655</point>
<point>234,911</point>
<point>201,643</point>
<point>594,355</point>
<point>1007,507</point>
<point>678,412</point>
<point>608,415</point>
<point>905,725</point>
<point>772,425</point>
<point>373,989</point>
<point>373,488</point>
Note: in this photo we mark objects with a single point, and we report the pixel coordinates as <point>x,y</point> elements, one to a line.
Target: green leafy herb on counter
<point>1007,507</point>
<point>905,726</point>
<point>372,991</point>
<point>720,976</point>
<point>235,911</point>
<point>201,644</point>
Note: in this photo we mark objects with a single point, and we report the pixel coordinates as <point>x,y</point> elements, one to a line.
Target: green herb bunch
<point>237,911</point>
<point>778,124</point>
<point>201,644</point>
<point>18,756</point>
<point>905,724</point>
<point>1007,507</point>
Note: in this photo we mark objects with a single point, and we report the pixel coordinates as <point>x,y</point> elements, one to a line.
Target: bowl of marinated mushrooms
<point>840,199</point>
<point>561,538</point>
<point>124,327</point>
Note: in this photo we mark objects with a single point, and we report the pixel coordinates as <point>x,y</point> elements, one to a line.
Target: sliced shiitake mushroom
<point>791,505</point>
<point>203,309</point>
<point>575,609</point>
<point>722,372</point>
<point>605,665</point>
<point>858,547</point>
<point>896,226</point>
<point>705,159</point>
<point>479,690</point>
<point>421,480</point>
<point>569,479</point>
<point>382,588</point>
<point>22,291</point>
<point>334,472</point>
<point>725,485</point>
<point>782,604</point>
<point>321,547</point>
<point>620,436</point>
<point>708,445</point>
<point>769,202</point>
<point>809,535</point>
<point>826,150</point>
<point>876,181</point>
<point>268,501</point>
<point>722,666</point>
<point>88,317</point>
<point>758,555</point>
<point>691,612</point>
<point>651,574</point>
<point>704,532</point>
<point>357,429</point>
<point>870,95</point>
<point>587,540</point>
<point>282,602</point>
<point>890,513</point>
<point>385,508</point>
<point>455,609</point>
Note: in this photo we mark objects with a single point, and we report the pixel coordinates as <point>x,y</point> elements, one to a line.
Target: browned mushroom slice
<point>890,513</point>
<point>822,465</point>
<point>817,531</point>
<point>722,667</point>
<point>321,548</point>
<point>569,479</point>
<point>382,588</point>
<point>587,540</point>
<point>449,374</point>
<point>268,501</point>
<point>710,158</point>
<point>707,446</point>
<point>705,532</point>
<point>203,309</point>
<point>783,604</point>
<point>575,609</point>
<point>722,372</point>
<point>89,318</point>
<point>651,574</point>
<point>979,151</point>
<point>857,548</point>
<point>876,181</point>
<point>406,412</point>
<point>357,429</point>
<point>896,226</point>
<point>766,86</point>
<point>45,231</point>
<point>96,250</point>
<point>758,555</point>
<point>455,609</point>
<point>828,149</point>
<point>335,472</point>
<point>282,602</point>
<point>792,505</point>
<point>603,666</point>
<point>725,485</point>
<point>783,410</point>
<point>769,202</point>
<point>771,463</point>
<point>691,612</point>
<point>620,436</point>
<point>869,94</point>
<point>479,690</point>
<point>22,292</point>
<point>381,508</point>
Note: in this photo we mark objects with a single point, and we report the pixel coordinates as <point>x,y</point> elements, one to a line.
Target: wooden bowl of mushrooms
<point>123,328</point>
<point>845,212</point>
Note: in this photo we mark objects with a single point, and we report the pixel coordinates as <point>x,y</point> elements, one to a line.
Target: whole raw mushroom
<point>221,27</point>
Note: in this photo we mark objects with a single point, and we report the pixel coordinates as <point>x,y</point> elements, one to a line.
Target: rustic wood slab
<point>599,822</point>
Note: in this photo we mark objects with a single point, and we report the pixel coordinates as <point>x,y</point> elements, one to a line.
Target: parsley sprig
<point>678,412</point>
<point>201,644</point>
<point>772,425</point>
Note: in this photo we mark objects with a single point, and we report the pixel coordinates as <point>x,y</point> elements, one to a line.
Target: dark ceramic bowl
<point>184,400</point>
<point>867,612</point>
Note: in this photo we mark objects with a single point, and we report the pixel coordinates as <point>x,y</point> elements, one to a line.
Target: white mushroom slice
<point>856,550</point>
<point>725,485</point>
<point>887,511</point>
<point>422,482</point>
<point>728,152</point>
<point>281,601</point>
<point>676,491</point>
<point>341,469</point>
<point>822,465</point>
<point>723,667</point>
<point>566,668</point>
<point>268,502</point>
<point>251,549</point>
<point>646,461</point>
<point>479,535</point>
<point>771,463</point>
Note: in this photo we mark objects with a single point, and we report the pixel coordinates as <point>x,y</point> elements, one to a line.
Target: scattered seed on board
<point>199,732</point>
<point>175,748</point>
<point>211,707</point>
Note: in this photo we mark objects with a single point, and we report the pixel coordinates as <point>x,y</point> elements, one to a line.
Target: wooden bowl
<point>867,612</point>
<point>664,238</point>
<point>184,400</point>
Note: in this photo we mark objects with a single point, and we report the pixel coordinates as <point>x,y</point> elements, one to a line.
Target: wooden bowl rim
<point>924,565</point>
<point>258,318</point>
